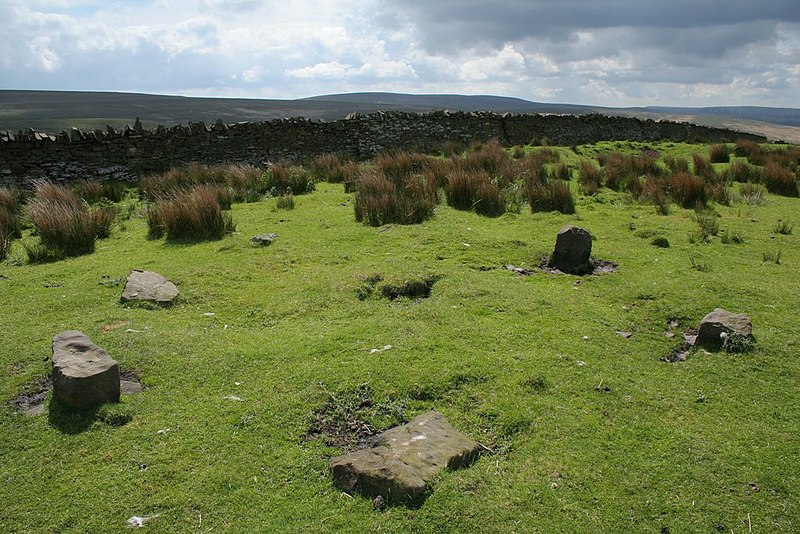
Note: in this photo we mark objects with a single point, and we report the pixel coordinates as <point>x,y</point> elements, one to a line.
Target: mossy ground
<point>591,432</point>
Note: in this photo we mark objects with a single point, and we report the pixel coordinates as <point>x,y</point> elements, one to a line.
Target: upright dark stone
<point>84,375</point>
<point>573,251</point>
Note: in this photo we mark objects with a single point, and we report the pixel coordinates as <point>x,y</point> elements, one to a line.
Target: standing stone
<point>150,287</point>
<point>720,324</point>
<point>84,375</point>
<point>403,461</point>
<point>573,251</point>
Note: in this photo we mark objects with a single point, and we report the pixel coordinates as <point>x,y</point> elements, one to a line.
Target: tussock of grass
<point>190,215</point>
<point>779,180</point>
<point>64,224</point>
<point>552,196</point>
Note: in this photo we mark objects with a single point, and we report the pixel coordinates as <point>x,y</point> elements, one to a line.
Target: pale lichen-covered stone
<point>148,286</point>
<point>402,462</point>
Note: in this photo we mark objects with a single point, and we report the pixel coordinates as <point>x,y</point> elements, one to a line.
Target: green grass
<point>504,357</point>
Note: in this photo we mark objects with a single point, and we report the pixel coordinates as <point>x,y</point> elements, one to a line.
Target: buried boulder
<point>573,250</point>
<point>723,329</point>
<point>401,462</point>
<point>148,286</point>
<point>84,375</point>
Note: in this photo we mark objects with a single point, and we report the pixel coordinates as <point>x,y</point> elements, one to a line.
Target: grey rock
<point>573,251</point>
<point>129,387</point>
<point>264,240</point>
<point>719,325</point>
<point>84,375</point>
<point>402,462</point>
<point>149,286</point>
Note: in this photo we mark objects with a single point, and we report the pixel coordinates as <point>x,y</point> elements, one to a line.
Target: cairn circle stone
<point>720,325</point>
<point>402,462</point>
<point>264,240</point>
<point>149,286</point>
<point>84,375</point>
<point>573,250</point>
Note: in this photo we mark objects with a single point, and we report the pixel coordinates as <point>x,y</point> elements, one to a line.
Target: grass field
<point>590,431</point>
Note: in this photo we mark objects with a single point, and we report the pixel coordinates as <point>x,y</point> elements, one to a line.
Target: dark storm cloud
<point>445,24</point>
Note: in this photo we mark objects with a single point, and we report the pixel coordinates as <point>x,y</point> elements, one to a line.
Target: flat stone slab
<point>720,324</point>
<point>149,286</point>
<point>402,462</point>
<point>84,375</point>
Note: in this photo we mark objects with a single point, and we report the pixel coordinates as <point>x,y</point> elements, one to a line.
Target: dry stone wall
<point>132,152</point>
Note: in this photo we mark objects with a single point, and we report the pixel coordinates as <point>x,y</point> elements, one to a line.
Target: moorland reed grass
<point>561,172</point>
<point>408,199</point>
<point>783,227</point>
<point>474,189</point>
<point>590,177</point>
<point>752,194</point>
<point>727,237</point>
<point>779,180</point>
<point>719,153</point>
<point>492,158</point>
<point>284,202</point>
<point>327,168</point>
<point>676,165</point>
<point>772,257</point>
<point>63,222</point>
<point>93,191</point>
<point>102,220</point>
<point>788,157</point>
<point>751,150</point>
<point>554,195</point>
<point>192,214</point>
<point>246,183</point>
<point>622,172</point>
<point>687,190</point>
<point>703,168</point>
<point>719,193</point>
<point>396,165</point>
<point>451,148</point>
<point>289,180</point>
<point>741,171</point>
<point>708,225</point>
<point>655,191</point>
<point>10,213</point>
<point>518,152</point>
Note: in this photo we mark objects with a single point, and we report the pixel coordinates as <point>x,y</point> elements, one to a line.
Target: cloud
<point>615,52</point>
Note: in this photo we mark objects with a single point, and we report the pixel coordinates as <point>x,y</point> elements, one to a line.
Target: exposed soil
<point>599,266</point>
<point>346,420</point>
<point>33,395</point>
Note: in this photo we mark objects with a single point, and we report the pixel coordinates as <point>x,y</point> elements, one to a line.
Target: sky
<point>596,52</point>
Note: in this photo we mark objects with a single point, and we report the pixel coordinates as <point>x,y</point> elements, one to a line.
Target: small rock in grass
<point>264,240</point>
<point>719,325</point>
<point>402,462</point>
<point>149,286</point>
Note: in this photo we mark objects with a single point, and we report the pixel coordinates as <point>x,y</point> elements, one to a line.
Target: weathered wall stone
<point>132,152</point>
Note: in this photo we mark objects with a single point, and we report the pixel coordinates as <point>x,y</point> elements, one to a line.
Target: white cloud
<point>630,53</point>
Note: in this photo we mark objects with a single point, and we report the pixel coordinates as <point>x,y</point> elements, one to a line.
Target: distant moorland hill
<point>53,111</point>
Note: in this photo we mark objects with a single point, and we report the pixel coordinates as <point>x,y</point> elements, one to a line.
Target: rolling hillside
<point>53,111</point>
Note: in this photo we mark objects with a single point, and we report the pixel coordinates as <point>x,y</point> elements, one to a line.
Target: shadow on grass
<point>70,420</point>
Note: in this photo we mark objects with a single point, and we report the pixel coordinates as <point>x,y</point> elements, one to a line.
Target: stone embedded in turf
<point>573,250</point>
<point>264,240</point>
<point>719,325</point>
<point>402,462</point>
<point>148,286</point>
<point>84,375</point>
